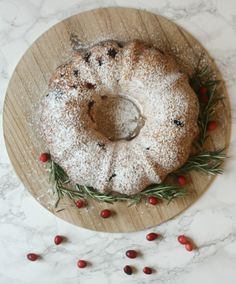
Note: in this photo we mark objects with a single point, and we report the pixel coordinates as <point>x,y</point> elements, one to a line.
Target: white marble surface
<point>25,226</point>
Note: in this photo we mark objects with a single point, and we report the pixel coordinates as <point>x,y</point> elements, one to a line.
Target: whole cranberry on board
<point>32,256</point>
<point>151,236</point>
<point>44,157</point>
<point>182,180</point>
<point>105,213</point>
<point>153,200</point>
<point>80,203</point>
<point>211,125</point>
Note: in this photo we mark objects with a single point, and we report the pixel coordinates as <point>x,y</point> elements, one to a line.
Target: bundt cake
<point>119,116</point>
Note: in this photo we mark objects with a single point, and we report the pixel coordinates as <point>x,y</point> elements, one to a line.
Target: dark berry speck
<point>120,44</point>
<point>112,52</point>
<point>178,123</point>
<point>87,56</point>
<point>76,72</point>
<point>102,145</point>
<point>104,97</point>
<point>90,86</point>
<point>100,61</point>
<point>90,104</point>
<point>111,177</point>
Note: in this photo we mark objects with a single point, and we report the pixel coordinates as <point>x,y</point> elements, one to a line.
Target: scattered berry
<point>151,236</point>
<point>81,263</point>
<point>203,91</point>
<point>189,246</point>
<point>153,200</point>
<point>44,157</point>
<point>128,270</point>
<point>147,270</point>
<point>182,180</point>
<point>58,240</point>
<point>131,254</point>
<point>182,239</point>
<point>80,203</point>
<point>211,125</point>
<point>105,213</point>
<point>32,256</point>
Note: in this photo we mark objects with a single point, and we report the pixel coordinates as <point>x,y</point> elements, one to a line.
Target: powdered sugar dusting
<point>148,78</point>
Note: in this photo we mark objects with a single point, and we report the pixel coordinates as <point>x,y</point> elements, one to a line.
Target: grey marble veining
<point>26,226</point>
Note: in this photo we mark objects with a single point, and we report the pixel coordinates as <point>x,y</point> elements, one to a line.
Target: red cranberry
<point>128,270</point>
<point>147,270</point>
<point>203,98</point>
<point>58,239</point>
<point>32,256</point>
<point>81,263</point>
<point>189,246</point>
<point>80,203</point>
<point>44,157</point>
<point>182,239</point>
<point>131,254</point>
<point>153,200</point>
<point>182,180</point>
<point>203,90</point>
<point>202,95</point>
<point>105,213</point>
<point>151,236</point>
<point>211,125</point>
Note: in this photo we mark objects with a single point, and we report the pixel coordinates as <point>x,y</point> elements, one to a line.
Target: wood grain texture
<point>30,80</point>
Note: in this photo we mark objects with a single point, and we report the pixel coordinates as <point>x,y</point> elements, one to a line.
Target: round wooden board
<point>29,82</point>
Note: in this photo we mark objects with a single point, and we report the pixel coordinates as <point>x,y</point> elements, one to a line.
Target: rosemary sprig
<point>60,181</point>
<point>162,191</point>
<point>204,77</point>
<point>104,197</point>
<point>208,162</point>
<point>206,113</point>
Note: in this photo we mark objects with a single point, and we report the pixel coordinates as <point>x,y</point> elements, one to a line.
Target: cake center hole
<point>117,117</point>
